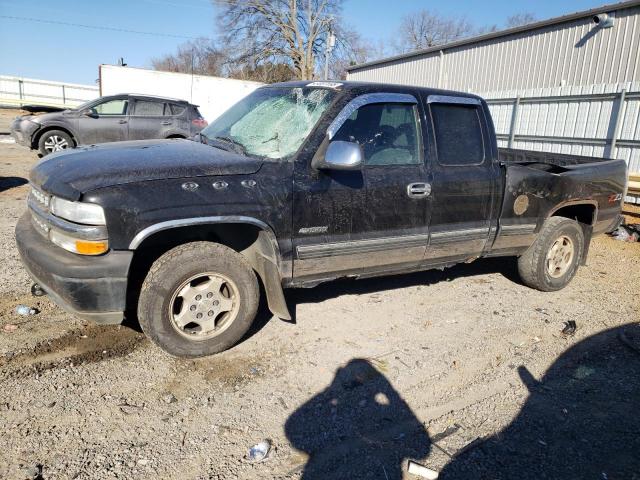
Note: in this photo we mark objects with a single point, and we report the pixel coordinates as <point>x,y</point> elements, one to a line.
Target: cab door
<point>464,178</point>
<point>373,218</point>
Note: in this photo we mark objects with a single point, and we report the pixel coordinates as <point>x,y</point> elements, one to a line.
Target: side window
<point>176,109</point>
<point>148,109</point>
<point>112,107</point>
<point>458,134</point>
<point>387,132</point>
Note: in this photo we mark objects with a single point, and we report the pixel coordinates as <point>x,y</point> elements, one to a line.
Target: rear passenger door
<point>464,178</point>
<point>149,119</point>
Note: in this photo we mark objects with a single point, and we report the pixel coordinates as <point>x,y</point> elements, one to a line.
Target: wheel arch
<point>251,237</point>
<point>585,212</point>
<point>36,137</point>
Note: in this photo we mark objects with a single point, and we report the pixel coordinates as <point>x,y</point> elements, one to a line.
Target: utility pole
<point>331,43</point>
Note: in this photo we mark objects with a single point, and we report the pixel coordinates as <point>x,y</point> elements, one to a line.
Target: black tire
<point>533,265</point>
<point>46,139</point>
<point>168,275</point>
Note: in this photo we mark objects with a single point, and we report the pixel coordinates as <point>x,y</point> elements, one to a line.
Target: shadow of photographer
<point>358,427</point>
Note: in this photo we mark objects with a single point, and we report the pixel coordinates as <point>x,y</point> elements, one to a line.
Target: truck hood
<point>71,173</point>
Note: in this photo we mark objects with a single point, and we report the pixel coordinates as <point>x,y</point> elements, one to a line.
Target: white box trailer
<point>213,95</point>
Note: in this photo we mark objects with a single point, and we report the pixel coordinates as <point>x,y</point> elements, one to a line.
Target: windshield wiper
<point>237,146</point>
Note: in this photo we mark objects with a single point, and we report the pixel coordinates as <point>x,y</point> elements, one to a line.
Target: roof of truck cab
<point>371,87</point>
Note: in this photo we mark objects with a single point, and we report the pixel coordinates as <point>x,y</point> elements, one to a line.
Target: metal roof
<point>502,33</point>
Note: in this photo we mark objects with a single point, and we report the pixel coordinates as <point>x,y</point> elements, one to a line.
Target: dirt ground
<point>465,371</point>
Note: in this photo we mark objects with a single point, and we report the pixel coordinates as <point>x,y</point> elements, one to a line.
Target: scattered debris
<point>260,451</point>
<point>446,433</point>
<point>37,291</point>
<point>24,310</point>
<point>627,233</point>
<point>421,471</point>
<point>10,327</point>
<point>569,328</point>
<point>169,398</point>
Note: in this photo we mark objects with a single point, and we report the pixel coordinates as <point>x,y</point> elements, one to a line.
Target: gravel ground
<point>465,371</point>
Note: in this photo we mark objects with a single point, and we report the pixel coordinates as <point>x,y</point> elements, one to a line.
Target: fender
<point>55,125</point>
<point>263,255</point>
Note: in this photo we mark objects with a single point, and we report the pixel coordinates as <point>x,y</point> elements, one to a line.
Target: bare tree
<point>278,31</point>
<point>520,19</point>
<point>426,29</point>
<point>200,56</point>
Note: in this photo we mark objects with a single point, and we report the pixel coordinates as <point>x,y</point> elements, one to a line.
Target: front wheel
<point>54,141</point>
<point>198,299</point>
<point>553,259</point>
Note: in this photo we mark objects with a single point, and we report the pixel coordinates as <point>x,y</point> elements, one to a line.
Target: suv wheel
<point>54,141</point>
<point>198,299</point>
<point>553,259</point>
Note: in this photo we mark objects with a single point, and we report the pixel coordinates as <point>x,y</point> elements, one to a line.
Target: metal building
<point>568,84</point>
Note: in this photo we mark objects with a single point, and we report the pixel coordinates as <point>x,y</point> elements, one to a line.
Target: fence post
<point>617,122</point>
<point>20,91</point>
<point>514,120</point>
<point>64,96</point>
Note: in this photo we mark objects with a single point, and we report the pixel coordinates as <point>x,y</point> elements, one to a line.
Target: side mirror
<point>340,155</point>
<point>89,112</point>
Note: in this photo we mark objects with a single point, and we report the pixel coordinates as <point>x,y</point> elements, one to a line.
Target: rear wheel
<point>54,141</point>
<point>198,299</point>
<point>553,259</point>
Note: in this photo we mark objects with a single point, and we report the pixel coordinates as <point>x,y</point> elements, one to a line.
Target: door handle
<point>167,122</point>
<point>122,121</point>
<point>418,190</point>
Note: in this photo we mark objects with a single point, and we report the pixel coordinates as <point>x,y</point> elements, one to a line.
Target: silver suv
<point>109,119</point>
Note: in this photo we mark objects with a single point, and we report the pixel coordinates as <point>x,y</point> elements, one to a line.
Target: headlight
<point>77,245</point>
<point>79,212</point>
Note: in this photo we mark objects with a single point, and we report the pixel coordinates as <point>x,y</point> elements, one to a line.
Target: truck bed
<point>514,155</point>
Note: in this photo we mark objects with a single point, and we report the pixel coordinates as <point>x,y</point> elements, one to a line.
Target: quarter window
<point>458,134</point>
<point>177,109</point>
<point>387,132</point>
<point>112,107</point>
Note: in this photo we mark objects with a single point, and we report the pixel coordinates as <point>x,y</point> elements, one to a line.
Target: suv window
<point>144,108</point>
<point>458,134</point>
<point>387,132</point>
<point>112,107</point>
<point>176,109</point>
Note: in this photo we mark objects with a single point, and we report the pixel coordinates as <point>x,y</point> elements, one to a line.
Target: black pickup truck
<point>301,183</point>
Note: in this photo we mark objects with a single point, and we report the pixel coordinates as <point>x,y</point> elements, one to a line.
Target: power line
<point>97,27</point>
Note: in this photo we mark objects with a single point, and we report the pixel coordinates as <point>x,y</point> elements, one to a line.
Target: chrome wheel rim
<point>560,257</point>
<point>55,143</point>
<point>204,306</point>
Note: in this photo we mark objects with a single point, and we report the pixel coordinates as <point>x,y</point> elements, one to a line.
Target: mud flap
<point>262,257</point>
<point>588,233</point>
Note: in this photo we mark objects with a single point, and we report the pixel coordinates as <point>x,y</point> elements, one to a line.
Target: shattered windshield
<point>271,122</point>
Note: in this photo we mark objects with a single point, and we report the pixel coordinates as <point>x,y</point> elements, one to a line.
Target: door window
<point>387,132</point>
<point>112,107</point>
<point>149,109</point>
<point>458,134</point>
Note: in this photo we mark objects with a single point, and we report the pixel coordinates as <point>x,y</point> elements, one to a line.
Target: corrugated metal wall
<point>577,120</point>
<point>568,76</point>
<point>567,54</point>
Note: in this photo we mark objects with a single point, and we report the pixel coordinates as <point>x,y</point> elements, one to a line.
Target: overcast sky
<point>54,51</point>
